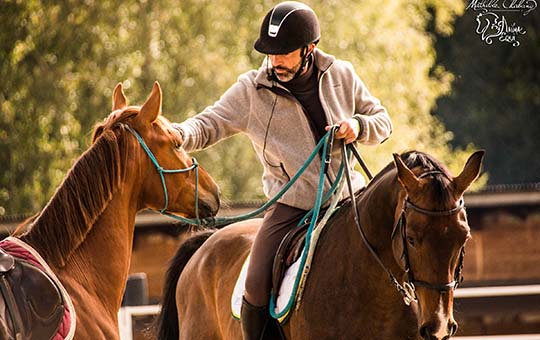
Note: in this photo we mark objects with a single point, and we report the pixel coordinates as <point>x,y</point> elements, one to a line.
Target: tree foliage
<point>59,62</point>
<point>496,97</point>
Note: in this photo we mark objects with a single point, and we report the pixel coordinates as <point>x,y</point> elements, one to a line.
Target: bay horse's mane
<point>427,163</point>
<point>84,193</point>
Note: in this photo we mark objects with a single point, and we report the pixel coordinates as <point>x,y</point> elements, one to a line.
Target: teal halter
<point>161,171</point>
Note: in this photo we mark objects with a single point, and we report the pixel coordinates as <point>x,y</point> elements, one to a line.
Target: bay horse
<point>412,216</point>
<point>85,232</point>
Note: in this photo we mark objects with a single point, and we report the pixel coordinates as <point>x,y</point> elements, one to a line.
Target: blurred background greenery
<point>447,92</point>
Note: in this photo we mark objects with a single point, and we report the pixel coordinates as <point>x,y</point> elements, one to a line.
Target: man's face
<point>285,66</point>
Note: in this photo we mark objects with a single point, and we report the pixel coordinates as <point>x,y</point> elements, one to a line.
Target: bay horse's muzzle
<point>435,331</point>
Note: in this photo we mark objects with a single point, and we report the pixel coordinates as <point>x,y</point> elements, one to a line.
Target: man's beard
<point>286,74</point>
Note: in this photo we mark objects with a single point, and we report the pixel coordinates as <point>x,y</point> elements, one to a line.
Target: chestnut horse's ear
<point>406,177</point>
<point>470,172</point>
<point>119,100</point>
<point>152,106</point>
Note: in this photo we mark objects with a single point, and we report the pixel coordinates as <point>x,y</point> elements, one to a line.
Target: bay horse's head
<point>172,181</point>
<point>430,235</point>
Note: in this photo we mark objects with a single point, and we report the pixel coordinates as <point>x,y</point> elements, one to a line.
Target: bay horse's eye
<point>411,241</point>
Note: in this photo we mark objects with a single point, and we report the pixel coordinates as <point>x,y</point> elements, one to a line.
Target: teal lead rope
<point>325,143</point>
<point>219,221</point>
<point>314,213</point>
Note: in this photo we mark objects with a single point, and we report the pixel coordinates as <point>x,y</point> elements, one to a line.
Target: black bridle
<point>407,290</point>
<point>402,225</point>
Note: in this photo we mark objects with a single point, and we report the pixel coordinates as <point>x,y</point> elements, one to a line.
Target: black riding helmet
<point>288,26</point>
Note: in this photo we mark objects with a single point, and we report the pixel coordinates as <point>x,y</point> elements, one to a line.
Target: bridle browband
<point>407,290</point>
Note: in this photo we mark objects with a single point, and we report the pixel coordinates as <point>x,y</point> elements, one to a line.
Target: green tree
<point>60,61</point>
<point>496,96</point>
<point>390,45</point>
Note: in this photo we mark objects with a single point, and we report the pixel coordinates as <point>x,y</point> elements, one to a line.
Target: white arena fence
<point>125,318</point>
<point>126,314</point>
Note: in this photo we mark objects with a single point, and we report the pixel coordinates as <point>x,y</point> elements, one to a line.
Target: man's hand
<point>348,130</point>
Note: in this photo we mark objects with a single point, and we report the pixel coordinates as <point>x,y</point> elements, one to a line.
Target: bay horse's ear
<point>470,172</point>
<point>151,108</point>
<point>406,177</point>
<point>119,100</point>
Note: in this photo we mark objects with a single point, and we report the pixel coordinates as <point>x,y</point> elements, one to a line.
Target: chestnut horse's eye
<point>411,241</point>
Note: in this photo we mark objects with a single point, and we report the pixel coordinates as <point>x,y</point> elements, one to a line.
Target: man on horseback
<point>285,107</point>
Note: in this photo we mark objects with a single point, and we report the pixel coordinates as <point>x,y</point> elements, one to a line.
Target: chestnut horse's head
<point>172,181</point>
<point>430,236</point>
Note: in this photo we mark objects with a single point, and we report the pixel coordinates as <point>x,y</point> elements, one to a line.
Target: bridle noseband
<point>401,224</point>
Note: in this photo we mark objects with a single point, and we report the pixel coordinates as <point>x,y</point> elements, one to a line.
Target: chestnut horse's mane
<point>84,193</point>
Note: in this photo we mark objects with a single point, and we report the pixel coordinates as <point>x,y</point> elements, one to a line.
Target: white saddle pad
<point>287,291</point>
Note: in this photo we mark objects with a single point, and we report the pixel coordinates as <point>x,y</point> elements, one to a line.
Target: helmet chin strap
<point>305,57</point>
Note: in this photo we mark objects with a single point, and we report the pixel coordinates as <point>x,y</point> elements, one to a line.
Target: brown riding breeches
<point>278,220</point>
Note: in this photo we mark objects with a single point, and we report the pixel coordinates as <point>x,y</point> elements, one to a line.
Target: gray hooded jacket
<point>279,129</point>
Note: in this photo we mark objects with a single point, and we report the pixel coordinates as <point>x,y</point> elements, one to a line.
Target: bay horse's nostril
<point>452,328</point>
<point>426,332</point>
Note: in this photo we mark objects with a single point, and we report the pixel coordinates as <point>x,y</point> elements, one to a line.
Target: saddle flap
<point>288,252</point>
<point>33,301</point>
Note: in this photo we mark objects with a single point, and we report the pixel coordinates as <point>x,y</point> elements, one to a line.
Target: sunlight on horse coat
<point>348,295</point>
<point>85,232</point>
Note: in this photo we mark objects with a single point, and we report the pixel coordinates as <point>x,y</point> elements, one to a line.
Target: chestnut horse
<point>85,232</point>
<point>412,217</point>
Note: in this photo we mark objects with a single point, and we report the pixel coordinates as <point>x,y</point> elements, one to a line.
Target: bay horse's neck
<point>377,208</point>
<point>358,287</point>
<point>85,232</point>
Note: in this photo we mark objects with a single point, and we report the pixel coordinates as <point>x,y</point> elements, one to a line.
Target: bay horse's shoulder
<point>223,253</point>
<point>244,229</point>
<point>236,237</point>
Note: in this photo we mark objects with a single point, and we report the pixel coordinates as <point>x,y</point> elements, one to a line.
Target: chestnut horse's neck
<point>85,232</point>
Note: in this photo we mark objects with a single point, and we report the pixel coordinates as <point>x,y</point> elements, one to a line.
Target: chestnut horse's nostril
<point>207,208</point>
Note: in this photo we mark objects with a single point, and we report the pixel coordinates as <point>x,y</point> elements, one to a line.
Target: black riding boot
<point>254,320</point>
